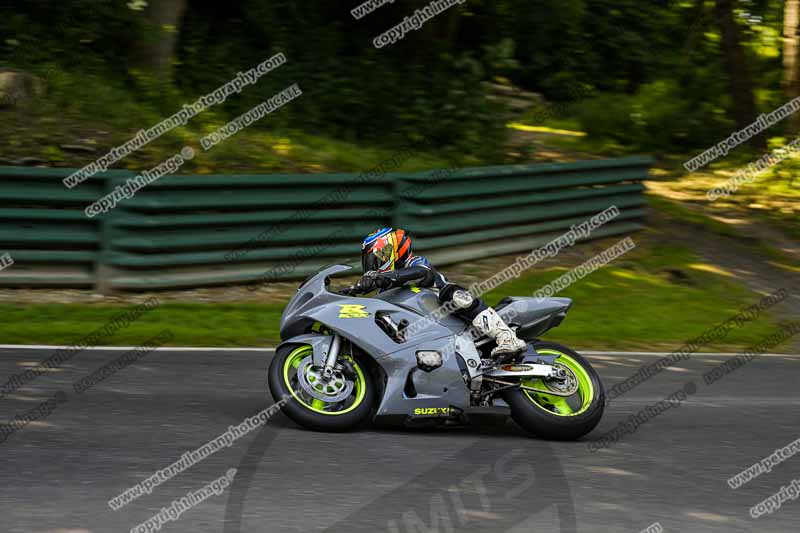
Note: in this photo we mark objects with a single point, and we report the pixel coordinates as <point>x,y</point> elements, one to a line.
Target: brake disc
<point>566,386</point>
<point>335,389</point>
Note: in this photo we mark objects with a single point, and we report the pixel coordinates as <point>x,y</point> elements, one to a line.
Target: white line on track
<point>125,348</point>
<point>702,354</point>
<point>271,350</point>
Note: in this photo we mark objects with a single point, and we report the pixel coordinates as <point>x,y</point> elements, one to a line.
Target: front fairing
<point>353,317</point>
<point>312,293</point>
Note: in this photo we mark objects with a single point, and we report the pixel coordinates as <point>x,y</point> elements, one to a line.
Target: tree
<point>733,55</point>
<point>155,51</point>
<point>791,56</point>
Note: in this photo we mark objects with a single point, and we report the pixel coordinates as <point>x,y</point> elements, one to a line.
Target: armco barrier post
<point>104,272</point>
<point>397,185</point>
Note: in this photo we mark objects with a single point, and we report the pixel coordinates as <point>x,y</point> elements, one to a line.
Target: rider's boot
<point>491,324</point>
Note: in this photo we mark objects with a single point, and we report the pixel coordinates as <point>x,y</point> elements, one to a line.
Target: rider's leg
<point>483,318</point>
<point>490,323</point>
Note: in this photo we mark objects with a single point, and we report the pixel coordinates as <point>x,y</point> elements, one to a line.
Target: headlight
<point>429,360</point>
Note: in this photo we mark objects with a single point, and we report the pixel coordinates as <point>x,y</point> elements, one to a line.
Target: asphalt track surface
<point>59,473</point>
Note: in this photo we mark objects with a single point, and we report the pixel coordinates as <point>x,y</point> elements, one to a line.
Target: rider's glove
<point>367,282</point>
<point>374,279</point>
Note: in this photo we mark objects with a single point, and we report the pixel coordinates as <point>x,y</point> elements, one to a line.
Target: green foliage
<point>90,35</point>
<point>637,75</point>
<point>660,116</point>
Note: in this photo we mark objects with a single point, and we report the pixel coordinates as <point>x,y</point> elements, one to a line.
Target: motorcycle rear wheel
<point>557,417</point>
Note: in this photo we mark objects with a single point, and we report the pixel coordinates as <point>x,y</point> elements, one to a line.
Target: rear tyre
<point>557,417</point>
<point>339,405</point>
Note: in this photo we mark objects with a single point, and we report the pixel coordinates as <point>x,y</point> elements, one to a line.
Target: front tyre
<point>340,404</point>
<point>559,417</point>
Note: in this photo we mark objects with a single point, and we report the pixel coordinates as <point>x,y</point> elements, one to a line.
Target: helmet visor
<point>369,262</point>
<point>380,257</point>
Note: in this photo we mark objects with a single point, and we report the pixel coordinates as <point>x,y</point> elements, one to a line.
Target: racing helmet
<point>385,249</point>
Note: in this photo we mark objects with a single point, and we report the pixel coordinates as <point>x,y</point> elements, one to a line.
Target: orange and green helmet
<point>385,249</point>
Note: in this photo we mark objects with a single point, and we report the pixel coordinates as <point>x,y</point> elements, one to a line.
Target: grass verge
<point>657,298</point>
<point>654,297</point>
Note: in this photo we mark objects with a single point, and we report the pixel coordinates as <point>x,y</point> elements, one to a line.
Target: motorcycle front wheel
<point>341,403</point>
<point>555,416</point>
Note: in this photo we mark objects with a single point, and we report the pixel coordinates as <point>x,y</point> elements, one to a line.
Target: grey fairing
<point>443,387</point>
<point>314,303</point>
<point>424,302</point>
<point>534,316</point>
<point>310,295</point>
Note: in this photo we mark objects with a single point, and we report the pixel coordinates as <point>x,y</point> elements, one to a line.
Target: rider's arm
<point>434,278</point>
<point>387,280</point>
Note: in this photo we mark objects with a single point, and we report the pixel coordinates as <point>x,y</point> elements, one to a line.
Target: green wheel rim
<point>319,406</point>
<point>558,405</point>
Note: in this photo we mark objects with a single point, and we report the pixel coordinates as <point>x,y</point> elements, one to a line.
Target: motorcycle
<point>345,361</point>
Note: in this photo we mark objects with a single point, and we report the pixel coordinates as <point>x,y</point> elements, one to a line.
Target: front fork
<point>330,360</point>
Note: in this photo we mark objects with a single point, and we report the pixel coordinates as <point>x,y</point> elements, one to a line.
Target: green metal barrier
<point>189,231</point>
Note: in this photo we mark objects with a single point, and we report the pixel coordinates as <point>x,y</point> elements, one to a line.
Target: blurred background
<point>486,83</point>
<point>661,77</point>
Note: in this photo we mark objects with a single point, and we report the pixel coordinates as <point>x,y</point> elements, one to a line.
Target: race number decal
<point>352,311</point>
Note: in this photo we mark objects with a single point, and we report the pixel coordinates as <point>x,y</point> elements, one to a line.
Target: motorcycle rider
<point>388,262</point>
